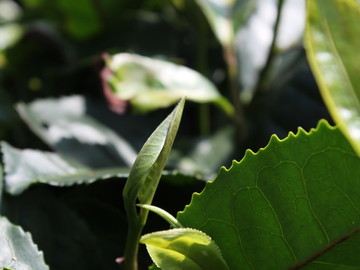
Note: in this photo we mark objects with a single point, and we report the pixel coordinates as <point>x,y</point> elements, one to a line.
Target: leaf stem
<point>202,67</point>
<point>132,246</point>
<point>265,72</point>
<point>232,70</point>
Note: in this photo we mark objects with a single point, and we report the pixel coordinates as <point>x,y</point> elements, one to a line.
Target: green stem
<point>232,69</point>
<point>265,72</point>
<point>202,67</point>
<point>136,223</point>
<point>132,246</point>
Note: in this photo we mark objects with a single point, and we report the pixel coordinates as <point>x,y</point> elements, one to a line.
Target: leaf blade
<point>332,37</point>
<point>183,248</point>
<point>25,167</point>
<point>285,205</point>
<point>15,243</point>
<point>150,84</point>
<point>146,171</point>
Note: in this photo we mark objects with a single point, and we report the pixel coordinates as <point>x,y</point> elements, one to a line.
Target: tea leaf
<point>15,243</point>
<point>150,84</point>
<point>183,248</point>
<point>332,40</point>
<point>287,206</point>
<point>146,171</point>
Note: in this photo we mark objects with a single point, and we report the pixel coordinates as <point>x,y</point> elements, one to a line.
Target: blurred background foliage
<point>55,96</point>
<point>55,48</point>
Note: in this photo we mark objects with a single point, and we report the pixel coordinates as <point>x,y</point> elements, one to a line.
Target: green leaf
<point>219,17</point>
<point>226,17</point>
<point>146,171</point>
<point>67,128</point>
<point>332,44</point>
<point>206,155</point>
<point>144,178</point>
<point>183,248</point>
<point>340,257</point>
<point>151,84</point>
<point>16,244</point>
<point>81,18</point>
<point>25,167</point>
<point>286,205</point>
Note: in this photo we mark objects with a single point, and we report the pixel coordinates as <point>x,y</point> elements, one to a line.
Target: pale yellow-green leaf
<point>184,248</point>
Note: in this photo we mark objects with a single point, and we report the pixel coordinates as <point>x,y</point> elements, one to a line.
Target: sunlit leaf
<point>146,171</point>
<point>183,248</point>
<point>285,206</point>
<point>25,167</point>
<point>68,129</point>
<point>219,16</point>
<point>226,17</point>
<point>332,43</point>
<point>149,83</point>
<point>18,245</point>
<point>9,34</point>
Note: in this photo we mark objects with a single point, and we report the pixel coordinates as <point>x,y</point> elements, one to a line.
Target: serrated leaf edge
<point>274,138</point>
<point>81,173</point>
<point>185,229</point>
<point>29,237</point>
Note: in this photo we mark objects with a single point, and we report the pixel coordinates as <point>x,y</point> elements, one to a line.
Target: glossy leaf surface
<point>285,206</point>
<point>68,129</point>
<point>25,167</point>
<point>183,248</point>
<point>148,166</point>
<point>333,42</point>
<point>150,84</point>
<point>15,243</point>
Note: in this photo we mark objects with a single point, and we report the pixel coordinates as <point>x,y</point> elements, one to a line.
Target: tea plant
<point>293,204</point>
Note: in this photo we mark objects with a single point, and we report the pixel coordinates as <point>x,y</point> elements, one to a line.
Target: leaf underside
<point>294,203</point>
<point>332,43</point>
<point>25,167</point>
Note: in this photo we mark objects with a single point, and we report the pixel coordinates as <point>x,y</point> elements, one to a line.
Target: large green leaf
<point>332,43</point>
<point>17,245</point>
<point>286,205</point>
<point>149,83</point>
<point>25,167</point>
<point>184,248</point>
<point>65,125</point>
